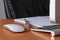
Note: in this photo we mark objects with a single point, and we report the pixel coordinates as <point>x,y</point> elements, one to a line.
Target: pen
<point>27,22</point>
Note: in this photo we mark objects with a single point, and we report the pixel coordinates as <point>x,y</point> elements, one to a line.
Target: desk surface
<point>27,35</point>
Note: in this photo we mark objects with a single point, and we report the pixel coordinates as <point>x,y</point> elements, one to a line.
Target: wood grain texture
<point>26,35</point>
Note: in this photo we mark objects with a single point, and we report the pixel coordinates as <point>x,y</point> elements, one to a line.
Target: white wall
<point>2,11</point>
<point>52,10</point>
<point>55,11</point>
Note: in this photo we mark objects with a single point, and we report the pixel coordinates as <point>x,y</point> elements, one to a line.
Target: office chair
<point>26,8</point>
<point>9,9</point>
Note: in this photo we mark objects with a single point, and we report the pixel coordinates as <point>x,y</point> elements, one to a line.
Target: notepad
<point>43,24</point>
<point>37,21</point>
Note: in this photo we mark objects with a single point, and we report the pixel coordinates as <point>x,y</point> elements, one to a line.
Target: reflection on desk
<point>52,38</point>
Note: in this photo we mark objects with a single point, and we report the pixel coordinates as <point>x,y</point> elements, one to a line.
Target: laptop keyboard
<point>52,27</point>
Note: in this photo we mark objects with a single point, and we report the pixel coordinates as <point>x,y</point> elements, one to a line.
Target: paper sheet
<point>37,21</point>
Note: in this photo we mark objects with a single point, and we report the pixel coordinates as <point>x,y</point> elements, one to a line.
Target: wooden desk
<point>27,35</point>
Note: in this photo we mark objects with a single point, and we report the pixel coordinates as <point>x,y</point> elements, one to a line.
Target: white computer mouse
<point>14,27</point>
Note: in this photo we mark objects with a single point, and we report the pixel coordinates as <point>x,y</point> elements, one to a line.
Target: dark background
<point>29,8</point>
